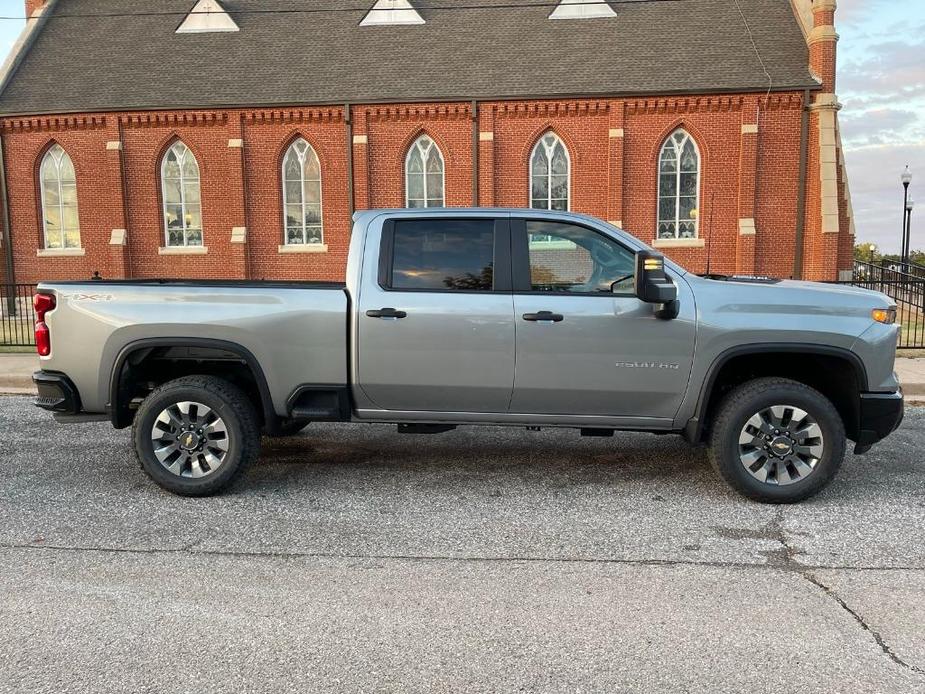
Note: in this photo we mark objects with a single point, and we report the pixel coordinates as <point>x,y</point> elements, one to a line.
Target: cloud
<point>893,67</point>
<point>878,126</point>
<point>877,194</point>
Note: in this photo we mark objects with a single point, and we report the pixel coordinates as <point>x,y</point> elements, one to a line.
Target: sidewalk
<point>16,376</point>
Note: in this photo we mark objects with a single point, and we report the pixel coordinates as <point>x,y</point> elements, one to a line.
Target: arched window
<point>678,187</point>
<point>302,194</point>
<point>424,174</point>
<point>549,174</point>
<point>182,204</point>
<point>59,200</point>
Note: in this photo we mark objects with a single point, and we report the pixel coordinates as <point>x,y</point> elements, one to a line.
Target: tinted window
<point>443,254</point>
<point>570,258</point>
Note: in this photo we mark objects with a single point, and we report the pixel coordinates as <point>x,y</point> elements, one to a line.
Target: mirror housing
<point>654,286</point>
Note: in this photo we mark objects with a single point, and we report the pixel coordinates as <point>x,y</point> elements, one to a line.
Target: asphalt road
<point>355,559</point>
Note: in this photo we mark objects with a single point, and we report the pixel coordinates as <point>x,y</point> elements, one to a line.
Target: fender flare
<point>266,400</point>
<point>693,430</point>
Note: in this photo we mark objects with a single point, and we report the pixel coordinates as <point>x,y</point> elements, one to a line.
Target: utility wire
<point>319,10</point>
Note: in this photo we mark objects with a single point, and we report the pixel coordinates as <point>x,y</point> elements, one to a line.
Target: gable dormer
<point>582,9</point>
<point>391,12</point>
<point>207,16</point>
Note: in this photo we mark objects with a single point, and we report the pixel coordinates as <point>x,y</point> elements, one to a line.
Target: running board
<point>425,428</point>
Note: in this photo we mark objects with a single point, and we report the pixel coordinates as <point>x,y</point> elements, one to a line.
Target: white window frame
<point>183,203</point>
<point>548,150</point>
<point>57,159</point>
<point>425,152</point>
<point>677,198</point>
<point>286,203</point>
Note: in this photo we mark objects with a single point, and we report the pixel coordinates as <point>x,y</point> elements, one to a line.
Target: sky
<point>881,84</point>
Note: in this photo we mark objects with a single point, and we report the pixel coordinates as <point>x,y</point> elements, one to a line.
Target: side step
<point>425,428</point>
<point>590,431</point>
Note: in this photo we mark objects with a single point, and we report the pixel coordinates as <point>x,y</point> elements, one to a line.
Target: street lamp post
<point>871,250</point>
<point>910,203</point>
<point>906,179</point>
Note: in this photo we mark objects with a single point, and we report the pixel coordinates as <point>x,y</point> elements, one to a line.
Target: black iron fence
<point>17,316</point>
<point>905,284</point>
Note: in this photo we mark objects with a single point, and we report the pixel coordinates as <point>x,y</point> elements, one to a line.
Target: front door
<point>436,332</point>
<point>585,344</point>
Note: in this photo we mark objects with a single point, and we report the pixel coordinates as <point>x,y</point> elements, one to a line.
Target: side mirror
<point>654,286</point>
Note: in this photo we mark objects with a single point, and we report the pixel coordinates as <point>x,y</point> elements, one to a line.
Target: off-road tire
<point>747,400</point>
<point>224,398</point>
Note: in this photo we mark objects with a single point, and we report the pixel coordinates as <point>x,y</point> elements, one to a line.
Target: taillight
<point>43,303</point>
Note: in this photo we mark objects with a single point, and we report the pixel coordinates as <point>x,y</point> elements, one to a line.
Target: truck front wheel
<point>777,441</point>
<point>193,436</point>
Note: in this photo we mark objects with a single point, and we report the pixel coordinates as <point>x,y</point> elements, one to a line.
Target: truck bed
<point>295,331</point>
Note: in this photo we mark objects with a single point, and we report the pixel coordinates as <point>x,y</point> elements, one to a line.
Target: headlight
<point>887,316</point>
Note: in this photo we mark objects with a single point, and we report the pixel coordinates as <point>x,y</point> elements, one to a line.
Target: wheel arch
<point>846,398</point>
<point>118,408</point>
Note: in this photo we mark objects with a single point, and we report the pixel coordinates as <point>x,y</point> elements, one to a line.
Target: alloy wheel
<point>190,439</point>
<point>781,445</point>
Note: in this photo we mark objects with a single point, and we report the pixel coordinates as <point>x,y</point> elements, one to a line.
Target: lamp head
<point>906,177</point>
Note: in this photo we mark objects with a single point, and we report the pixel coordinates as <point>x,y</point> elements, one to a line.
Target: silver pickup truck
<point>479,316</point>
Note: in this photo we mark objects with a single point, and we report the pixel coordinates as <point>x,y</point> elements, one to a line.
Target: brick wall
<point>746,173</point>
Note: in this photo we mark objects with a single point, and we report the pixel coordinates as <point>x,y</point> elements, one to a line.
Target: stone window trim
<point>183,250</point>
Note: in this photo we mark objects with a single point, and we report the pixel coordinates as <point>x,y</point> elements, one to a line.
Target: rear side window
<point>443,255</point>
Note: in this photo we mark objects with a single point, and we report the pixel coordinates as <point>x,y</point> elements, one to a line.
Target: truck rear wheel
<point>777,441</point>
<point>193,436</point>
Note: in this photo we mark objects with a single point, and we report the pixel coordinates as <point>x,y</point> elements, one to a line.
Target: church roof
<point>97,55</point>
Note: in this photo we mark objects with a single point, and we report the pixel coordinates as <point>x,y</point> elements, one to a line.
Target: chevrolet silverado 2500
<point>479,316</point>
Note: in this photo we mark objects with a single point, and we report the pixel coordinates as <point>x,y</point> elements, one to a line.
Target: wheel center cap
<point>781,446</point>
<point>189,440</point>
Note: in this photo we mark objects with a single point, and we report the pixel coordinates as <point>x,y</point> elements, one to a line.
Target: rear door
<point>436,330</point>
<point>585,344</point>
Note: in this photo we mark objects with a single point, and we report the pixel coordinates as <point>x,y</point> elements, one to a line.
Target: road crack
<point>788,554</point>
<point>878,637</point>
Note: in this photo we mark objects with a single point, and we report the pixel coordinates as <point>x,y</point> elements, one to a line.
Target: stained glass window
<point>182,203</point>
<point>59,200</point>
<point>549,174</point>
<point>302,194</point>
<point>424,174</point>
<point>678,187</point>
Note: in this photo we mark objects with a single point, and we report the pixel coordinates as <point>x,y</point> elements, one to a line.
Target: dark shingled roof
<point>80,63</point>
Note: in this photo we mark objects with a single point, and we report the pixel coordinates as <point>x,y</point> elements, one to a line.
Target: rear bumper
<point>57,393</point>
<point>880,415</point>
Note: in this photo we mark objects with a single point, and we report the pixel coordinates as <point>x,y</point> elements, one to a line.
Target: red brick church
<point>235,138</point>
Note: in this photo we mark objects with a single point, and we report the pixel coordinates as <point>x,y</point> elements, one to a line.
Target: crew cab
<point>453,317</point>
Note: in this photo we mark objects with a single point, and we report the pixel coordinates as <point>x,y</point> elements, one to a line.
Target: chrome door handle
<point>544,316</point>
<point>386,313</point>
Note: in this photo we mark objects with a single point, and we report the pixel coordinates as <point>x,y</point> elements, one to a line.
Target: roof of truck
<point>99,55</point>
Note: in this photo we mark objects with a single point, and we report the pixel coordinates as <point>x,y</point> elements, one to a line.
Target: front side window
<point>575,259</point>
<point>302,194</point>
<point>549,174</point>
<point>443,255</point>
<point>678,187</point>
<point>182,204</point>
<point>424,174</point>
<point>59,200</point>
